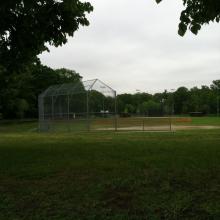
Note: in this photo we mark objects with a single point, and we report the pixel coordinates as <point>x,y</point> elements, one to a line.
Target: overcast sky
<point>134,45</point>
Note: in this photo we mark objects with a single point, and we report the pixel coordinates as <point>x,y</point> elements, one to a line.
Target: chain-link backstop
<point>87,105</point>
<point>90,106</point>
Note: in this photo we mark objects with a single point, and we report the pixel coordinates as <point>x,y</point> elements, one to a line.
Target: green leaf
<point>182,29</point>
<point>195,28</point>
<point>184,18</point>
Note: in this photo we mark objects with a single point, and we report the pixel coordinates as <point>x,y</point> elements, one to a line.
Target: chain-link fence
<point>73,106</point>
<point>89,106</point>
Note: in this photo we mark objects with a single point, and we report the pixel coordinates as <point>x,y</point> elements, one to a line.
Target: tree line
<point>19,95</point>
<point>204,100</point>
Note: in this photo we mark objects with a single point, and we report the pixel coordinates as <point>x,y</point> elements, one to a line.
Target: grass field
<point>108,175</point>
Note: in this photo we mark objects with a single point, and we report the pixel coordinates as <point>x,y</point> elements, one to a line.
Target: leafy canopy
<point>28,26</point>
<point>197,13</point>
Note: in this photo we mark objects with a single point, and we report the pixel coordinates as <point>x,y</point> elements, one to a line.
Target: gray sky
<point>134,45</point>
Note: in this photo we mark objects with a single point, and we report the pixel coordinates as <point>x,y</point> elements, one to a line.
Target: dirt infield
<point>132,124</point>
<point>162,128</point>
<point>194,127</point>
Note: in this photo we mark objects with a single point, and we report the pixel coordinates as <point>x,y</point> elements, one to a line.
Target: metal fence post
<point>116,124</point>
<point>87,108</point>
<point>68,107</point>
<point>41,119</point>
<point>170,122</point>
<point>52,109</point>
<point>68,112</point>
<point>218,102</point>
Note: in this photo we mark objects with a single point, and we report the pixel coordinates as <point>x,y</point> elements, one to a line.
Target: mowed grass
<point>206,121</point>
<point>108,175</point>
<point>197,121</point>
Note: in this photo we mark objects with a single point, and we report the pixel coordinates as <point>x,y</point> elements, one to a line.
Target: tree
<point>150,108</point>
<point>28,26</point>
<point>181,97</point>
<point>215,85</point>
<point>216,88</point>
<point>20,99</point>
<point>96,102</point>
<point>197,13</point>
<point>129,108</point>
<point>122,101</point>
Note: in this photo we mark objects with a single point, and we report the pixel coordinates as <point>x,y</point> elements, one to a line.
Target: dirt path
<point>193,127</point>
<point>163,128</point>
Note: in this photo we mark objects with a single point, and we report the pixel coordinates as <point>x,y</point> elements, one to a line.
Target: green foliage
<point>22,107</point>
<point>181,97</point>
<point>129,108</point>
<point>43,77</point>
<point>150,108</point>
<point>96,101</point>
<point>134,100</point>
<point>215,85</point>
<point>182,101</point>
<point>19,95</point>
<point>28,26</point>
<point>198,13</point>
<point>29,85</point>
